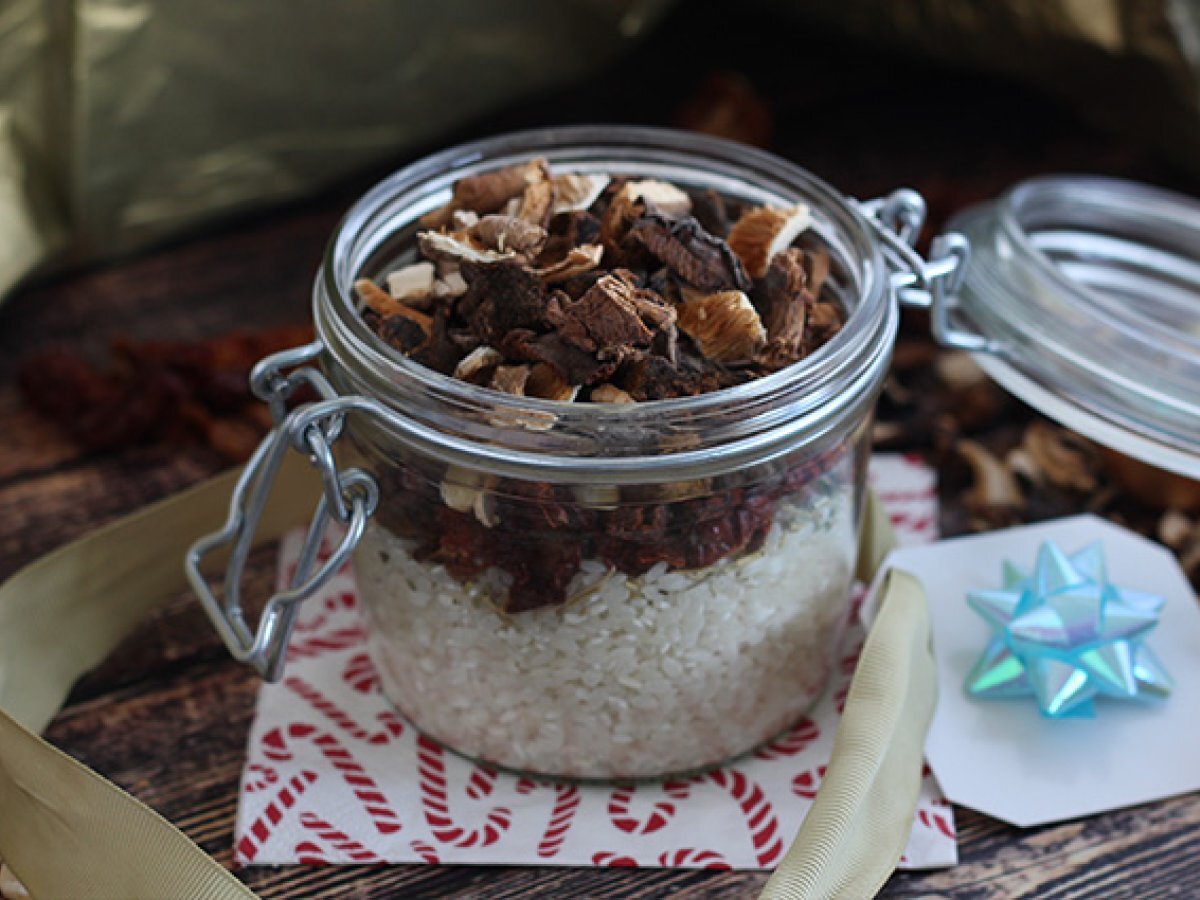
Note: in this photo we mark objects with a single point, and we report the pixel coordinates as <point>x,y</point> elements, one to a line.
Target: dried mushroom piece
<point>382,303</point>
<point>662,196</point>
<point>510,379</point>
<point>1060,457</point>
<point>763,232</point>
<point>783,301</point>
<point>376,298</point>
<point>545,382</point>
<point>995,490</point>
<point>478,365</point>
<point>824,321</point>
<point>634,200</point>
<point>488,192</point>
<point>505,234</point>
<point>458,247</point>
<point>609,393</point>
<point>411,284</point>
<point>578,260</point>
<point>537,203</point>
<point>502,298</point>
<point>690,253</point>
<point>725,326</point>
<point>603,318</point>
<point>575,192</point>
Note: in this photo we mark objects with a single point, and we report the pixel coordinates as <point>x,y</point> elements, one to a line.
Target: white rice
<point>638,677</point>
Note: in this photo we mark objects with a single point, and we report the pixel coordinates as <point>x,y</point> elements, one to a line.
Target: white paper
<point>1002,757</point>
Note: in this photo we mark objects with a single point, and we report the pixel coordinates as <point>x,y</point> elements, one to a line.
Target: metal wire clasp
<point>350,497</point>
<point>931,283</point>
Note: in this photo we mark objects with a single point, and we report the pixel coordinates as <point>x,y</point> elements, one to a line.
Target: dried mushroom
<point>1060,457</point>
<point>762,233</point>
<point>506,234</point>
<point>391,310</point>
<point>567,285</point>
<point>608,393</point>
<point>700,260</point>
<point>511,379</point>
<point>576,192</point>
<point>458,247</point>
<point>591,281</point>
<point>578,260</point>
<point>478,365</point>
<point>725,326</point>
<point>545,382</point>
<point>411,283</point>
<point>995,490</point>
<point>488,191</point>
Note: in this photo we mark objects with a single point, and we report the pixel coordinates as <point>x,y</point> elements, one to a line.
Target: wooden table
<point>166,717</point>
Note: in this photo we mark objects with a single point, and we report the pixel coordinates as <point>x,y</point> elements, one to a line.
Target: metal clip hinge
<point>931,283</point>
<point>350,497</point>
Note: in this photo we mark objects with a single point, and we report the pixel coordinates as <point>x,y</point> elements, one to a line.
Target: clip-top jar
<point>579,589</point>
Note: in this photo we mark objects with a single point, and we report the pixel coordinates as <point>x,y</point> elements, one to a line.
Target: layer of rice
<point>636,676</point>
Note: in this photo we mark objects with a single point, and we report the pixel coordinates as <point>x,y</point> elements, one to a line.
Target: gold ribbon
<point>67,832</point>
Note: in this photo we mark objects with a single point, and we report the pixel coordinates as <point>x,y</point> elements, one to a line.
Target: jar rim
<point>806,397</point>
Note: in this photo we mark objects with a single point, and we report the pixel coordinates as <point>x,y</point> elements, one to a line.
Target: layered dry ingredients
<point>638,676</point>
<point>596,630</point>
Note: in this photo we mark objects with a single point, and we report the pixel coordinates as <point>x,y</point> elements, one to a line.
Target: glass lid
<point>1087,291</point>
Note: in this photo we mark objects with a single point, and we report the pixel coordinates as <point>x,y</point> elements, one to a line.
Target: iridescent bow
<point>1065,635</point>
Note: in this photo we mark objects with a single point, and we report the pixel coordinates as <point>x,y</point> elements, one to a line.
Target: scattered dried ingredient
<point>995,491</point>
<point>175,391</point>
<point>937,398</point>
<point>1060,457</point>
<point>1175,529</point>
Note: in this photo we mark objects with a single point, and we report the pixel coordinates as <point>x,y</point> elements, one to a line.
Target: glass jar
<point>590,590</point>
<point>1088,292</point>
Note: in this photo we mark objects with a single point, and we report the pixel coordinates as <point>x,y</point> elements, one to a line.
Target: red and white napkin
<point>334,775</point>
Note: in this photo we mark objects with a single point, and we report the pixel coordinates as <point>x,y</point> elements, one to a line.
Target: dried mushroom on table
<point>1001,464</point>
